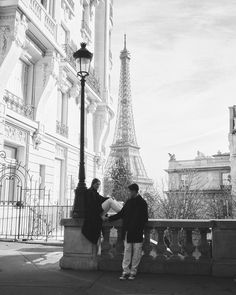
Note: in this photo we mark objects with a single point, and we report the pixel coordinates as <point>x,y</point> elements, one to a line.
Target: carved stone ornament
<point>15,134</point>
<point>5,33</point>
<point>75,92</point>
<point>60,152</point>
<point>91,108</point>
<point>21,26</point>
<point>63,84</point>
<point>50,66</point>
<point>172,157</point>
<point>99,160</point>
<point>37,139</point>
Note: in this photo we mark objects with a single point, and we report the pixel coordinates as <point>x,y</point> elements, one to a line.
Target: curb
<point>34,242</point>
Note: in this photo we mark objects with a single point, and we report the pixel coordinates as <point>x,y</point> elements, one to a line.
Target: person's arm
<point>117,216</point>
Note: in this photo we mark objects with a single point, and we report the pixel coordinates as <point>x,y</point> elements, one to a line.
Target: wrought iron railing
<point>18,105</point>
<point>62,129</point>
<point>35,221</point>
<point>93,81</point>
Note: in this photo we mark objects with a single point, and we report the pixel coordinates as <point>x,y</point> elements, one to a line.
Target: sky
<point>183,75</point>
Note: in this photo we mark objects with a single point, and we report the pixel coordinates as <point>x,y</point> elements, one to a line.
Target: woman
<point>96,207</point>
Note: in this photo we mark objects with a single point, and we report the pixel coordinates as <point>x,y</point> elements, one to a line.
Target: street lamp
<point>83,59</point>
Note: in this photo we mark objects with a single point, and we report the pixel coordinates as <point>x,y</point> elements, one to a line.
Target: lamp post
<point>83,59</point>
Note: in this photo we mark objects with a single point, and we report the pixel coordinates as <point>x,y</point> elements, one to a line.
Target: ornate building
<point>40,93</point>
<point>125,142</point>
<point>207,177</point>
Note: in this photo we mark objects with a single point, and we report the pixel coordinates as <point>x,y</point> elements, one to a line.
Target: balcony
<point>85,28</point>
<point>39,15</point>
<point>18,105</point>
<point>196,247</point>
<point>69,55</point>
<point>93,81</point>
<point>62,129</point>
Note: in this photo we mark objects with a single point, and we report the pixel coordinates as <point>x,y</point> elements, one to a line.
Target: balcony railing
<point>42,15</point>
<point>69,55</point>
<point>93,81</point>
<point>85,27</point>
<point>62,129</point>
<point>18,105</point>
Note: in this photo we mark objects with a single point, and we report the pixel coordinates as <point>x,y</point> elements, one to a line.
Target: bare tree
<point>117,179</point>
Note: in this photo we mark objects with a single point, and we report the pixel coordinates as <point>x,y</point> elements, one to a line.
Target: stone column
<point>2,123</point>
<point>232,148</point>
<point>12,44</point>
<point>223,248</point>
<point>78,252</point>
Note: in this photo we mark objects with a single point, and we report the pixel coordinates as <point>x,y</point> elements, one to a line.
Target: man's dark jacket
<point>93,209</point>
<point>134,215</point>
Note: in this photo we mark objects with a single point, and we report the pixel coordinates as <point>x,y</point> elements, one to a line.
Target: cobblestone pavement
<point>34,269</point>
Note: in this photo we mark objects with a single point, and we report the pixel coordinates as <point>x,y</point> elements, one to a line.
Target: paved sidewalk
<point>33,269</point>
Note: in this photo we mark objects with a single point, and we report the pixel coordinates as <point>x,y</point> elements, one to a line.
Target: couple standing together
<point>134,215</point>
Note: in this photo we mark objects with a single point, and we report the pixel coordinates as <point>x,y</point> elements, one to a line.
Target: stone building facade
<point>208,176</point>
<point>40,92</point>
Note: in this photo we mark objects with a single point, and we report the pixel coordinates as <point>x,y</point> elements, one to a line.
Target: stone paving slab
<point>34,269</point>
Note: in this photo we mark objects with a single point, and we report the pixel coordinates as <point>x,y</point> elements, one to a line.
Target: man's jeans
<point>132,257</point>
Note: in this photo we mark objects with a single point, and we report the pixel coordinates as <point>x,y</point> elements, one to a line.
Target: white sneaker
<point>124,276</point>
<point>131,277</point>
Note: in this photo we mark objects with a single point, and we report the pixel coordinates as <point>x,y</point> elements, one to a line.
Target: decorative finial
<point>83,45</point>
<point>124,41</point>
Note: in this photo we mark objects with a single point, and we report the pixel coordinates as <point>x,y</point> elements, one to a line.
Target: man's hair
<point>94,181</point>
<point>133,187</point>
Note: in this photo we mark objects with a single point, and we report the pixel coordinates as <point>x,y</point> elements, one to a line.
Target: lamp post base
<point>80,195</point>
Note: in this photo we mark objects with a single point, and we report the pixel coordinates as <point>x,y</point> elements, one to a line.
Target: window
<point>8,189</point>
<point>184,180</point>
<point>225,178</point>
<point>62,108</point>
<point>18,82</point>
<point>64,35</point>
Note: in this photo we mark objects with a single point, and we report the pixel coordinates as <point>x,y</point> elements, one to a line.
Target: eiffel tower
<point>125,142</point>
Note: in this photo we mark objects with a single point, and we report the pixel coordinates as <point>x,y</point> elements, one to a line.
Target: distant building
<point>206,175</point>
<point>40,91</point>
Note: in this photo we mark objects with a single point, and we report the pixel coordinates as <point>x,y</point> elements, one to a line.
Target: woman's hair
<point>94,181</point>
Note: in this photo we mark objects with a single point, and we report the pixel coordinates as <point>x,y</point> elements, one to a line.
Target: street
<point>34,269</point>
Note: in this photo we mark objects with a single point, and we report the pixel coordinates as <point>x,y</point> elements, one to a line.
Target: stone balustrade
<point>167,245</point>
<point>203,247</point>
<point>18,105</point>
<point>39,11</point>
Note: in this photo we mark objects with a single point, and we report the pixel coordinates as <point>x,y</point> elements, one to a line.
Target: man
<point>134,215</point>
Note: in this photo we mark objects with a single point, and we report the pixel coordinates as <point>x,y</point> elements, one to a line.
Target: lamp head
<point>83,59</point>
